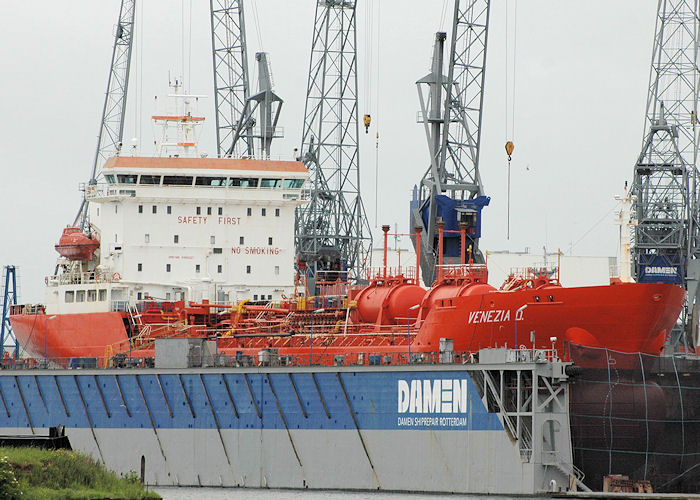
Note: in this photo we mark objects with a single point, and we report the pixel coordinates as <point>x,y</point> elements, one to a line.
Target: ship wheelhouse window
<point>177,180</point>
<point>140,209</point>
<point>91,295</point>
<point>218,250</point>
<point>176,238</point>
<point>241,240</point>
<point>243,182</point>
<point>247,269</point>
<point>196,268</point>
<point>263,212</point>
<point>293,183</point>
<point>219,268</point>
<point>277,212</point>
<point>210,181</point>
<point>153,180</point>
<point>167,268</point>
<point>169,209</point>
<point>255,297</point>
<point>126,179</point>
<point>102,295</point>
<point>249,212</point>
<point>139,267</point>
<point>109,178</point>
<point>269,240</point>
<point>199,210</point>
<point>221,211</point>
<point>155,209</point>
<point>270,183</point>
<point>70,296</point>
<point>80,296</point>
<point>208,210</point>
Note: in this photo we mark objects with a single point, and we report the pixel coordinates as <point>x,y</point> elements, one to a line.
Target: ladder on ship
<point>139,330</point>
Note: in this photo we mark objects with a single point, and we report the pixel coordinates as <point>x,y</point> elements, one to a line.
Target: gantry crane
<point>666,240</point>
<point>332,232</point>
<point>109,139</point>
<point>451,191</point>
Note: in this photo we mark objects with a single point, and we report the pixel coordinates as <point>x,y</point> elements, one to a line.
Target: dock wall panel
<point>289,429</point>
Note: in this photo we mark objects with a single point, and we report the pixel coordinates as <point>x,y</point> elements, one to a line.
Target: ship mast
<point>451,113</point>
<point>667,235</point>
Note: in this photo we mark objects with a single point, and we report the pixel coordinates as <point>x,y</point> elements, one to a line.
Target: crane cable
<point>510,146</point>
<point>371,60</point>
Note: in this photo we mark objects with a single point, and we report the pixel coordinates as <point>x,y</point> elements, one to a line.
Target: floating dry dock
<point>495,426</point>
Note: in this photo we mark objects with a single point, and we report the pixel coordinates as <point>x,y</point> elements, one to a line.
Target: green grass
<point>31,473</point>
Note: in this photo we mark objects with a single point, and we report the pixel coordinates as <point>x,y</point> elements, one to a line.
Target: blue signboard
<point>386,400</point>
<point>660,270</point>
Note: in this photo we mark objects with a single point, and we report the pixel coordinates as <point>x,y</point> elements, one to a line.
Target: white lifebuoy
<point>116,276</point>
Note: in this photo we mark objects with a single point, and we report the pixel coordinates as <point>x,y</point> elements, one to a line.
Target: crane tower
<point>231,90</point>
<point>332,232</point>
<point>109,139</point>
<point>665,186</point>
<point>450,111</point>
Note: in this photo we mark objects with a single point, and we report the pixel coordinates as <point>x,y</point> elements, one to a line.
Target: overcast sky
<point>581,73</point>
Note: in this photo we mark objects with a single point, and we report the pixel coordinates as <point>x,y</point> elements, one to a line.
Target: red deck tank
<point>389,302</point>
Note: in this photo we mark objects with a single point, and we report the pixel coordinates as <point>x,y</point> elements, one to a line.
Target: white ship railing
<point>79,279</point>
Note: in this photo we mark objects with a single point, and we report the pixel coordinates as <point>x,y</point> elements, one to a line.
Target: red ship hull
<point>69,335</point>
<point>622,317</point>
<point>627,317</point>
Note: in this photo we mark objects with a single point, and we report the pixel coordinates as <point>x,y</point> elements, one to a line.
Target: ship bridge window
<point>110,178</point>
<point>270,183</point>
<point>210,181</point>
<point>91,295</point>
<point>150,179</point>
<point>70,296</point>
<point>293,183</point>
<point>244,182</point>
<point>80,296</point>
<point>177,180</point>
<point>103,295</point>
<point>126,179</point>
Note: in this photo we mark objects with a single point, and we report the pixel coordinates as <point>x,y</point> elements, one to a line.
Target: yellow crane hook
<point>510,147</point>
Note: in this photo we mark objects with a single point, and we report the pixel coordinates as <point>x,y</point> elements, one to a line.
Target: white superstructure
<point>182,226</point>
<point>198,228</point>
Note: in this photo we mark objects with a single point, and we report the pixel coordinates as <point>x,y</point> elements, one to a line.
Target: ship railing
<point>541,270</point>
<point>120,356</point>
<point>381,272</point>
<point>78,279</point>
<point>104,190</point>
<point>474,271</point>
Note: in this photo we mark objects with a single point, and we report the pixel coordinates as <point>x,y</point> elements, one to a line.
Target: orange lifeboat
<point>74,245</point>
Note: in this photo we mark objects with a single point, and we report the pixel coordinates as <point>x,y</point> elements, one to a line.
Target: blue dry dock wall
<point>252,400</point>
